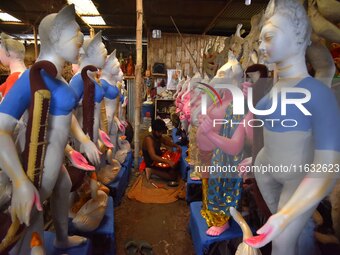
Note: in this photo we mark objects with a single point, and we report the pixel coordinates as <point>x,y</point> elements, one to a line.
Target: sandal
<point>131,248</point>
<point>145,248</point>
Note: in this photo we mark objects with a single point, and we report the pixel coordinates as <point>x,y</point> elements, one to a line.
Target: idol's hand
<point>125,102</point>
<point>124,123</point>
<point>274,226</point>
<point>245,86</point>
<point>120,125</point>
<point>25,196</point>
<point>79,161</point>
<point>105,139</point>
<point>206,124</point>
<point>91,151</point>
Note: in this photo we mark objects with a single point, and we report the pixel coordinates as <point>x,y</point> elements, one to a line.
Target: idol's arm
<point>231,145</point>
<point>119,123</point>
<point>168,142</point>
<point>25,194</point>
<point>89,147</point>
<point>77,159</point>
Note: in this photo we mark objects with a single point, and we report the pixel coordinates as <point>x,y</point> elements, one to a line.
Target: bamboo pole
<point>36,53</point>
<point>138,78</point>
<point>92,32</point>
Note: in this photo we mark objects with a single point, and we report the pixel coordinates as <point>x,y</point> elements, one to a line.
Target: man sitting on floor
<point>152,152</point>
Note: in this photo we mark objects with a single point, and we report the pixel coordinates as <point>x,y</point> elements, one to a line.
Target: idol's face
<point>112,67</point>
<point>71,40</point>
<point>99,55</point>
<point>115,67</point>
<point>278,40</point>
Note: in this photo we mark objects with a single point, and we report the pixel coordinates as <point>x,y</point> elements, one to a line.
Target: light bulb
<point>247,2</point>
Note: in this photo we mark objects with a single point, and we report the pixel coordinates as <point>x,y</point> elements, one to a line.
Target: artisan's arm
<point>152,152</point>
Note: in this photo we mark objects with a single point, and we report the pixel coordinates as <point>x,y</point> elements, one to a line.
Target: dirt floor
<point>164,226</point>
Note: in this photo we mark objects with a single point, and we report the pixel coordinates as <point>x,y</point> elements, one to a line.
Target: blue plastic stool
<point>183,164</point>
<point>192,188</point>
<point>198,227</point>
<point>148,108</point>
<point>120,183</point>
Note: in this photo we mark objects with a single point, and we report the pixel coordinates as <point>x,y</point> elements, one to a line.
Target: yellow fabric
<point>212,218</point>
<point>194,153</point>
<point>193,149</point>
<point>143,191</point>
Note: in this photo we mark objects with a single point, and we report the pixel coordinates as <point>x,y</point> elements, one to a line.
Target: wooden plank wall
<point>171,50</point>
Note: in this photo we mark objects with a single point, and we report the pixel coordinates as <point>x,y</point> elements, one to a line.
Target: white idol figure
<point>110,70</point>
<point>12,54</point>
<point>60,39</point>
<point>94,53</point>
<point>292,197</point>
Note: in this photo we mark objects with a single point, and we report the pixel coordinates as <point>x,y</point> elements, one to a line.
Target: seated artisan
<point>152,152</point>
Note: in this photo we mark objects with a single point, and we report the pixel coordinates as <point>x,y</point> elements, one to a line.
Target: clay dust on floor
<point>164,226</point>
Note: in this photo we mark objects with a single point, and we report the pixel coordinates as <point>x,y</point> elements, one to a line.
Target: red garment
<point>8,84</point>
<point>173,156</point>
<point>142,166</point>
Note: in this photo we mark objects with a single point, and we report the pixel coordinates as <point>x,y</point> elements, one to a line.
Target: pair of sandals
<point>143,248</point>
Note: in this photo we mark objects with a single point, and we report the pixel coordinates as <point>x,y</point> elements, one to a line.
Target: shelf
<point>161,105</point>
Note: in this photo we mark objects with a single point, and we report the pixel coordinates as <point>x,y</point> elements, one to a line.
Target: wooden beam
<point>35,32</point>
<point>92,32</point>
<point>213,22</point>
<point>138,75</point>
<point>14,23</point>
<point>110,27</point>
